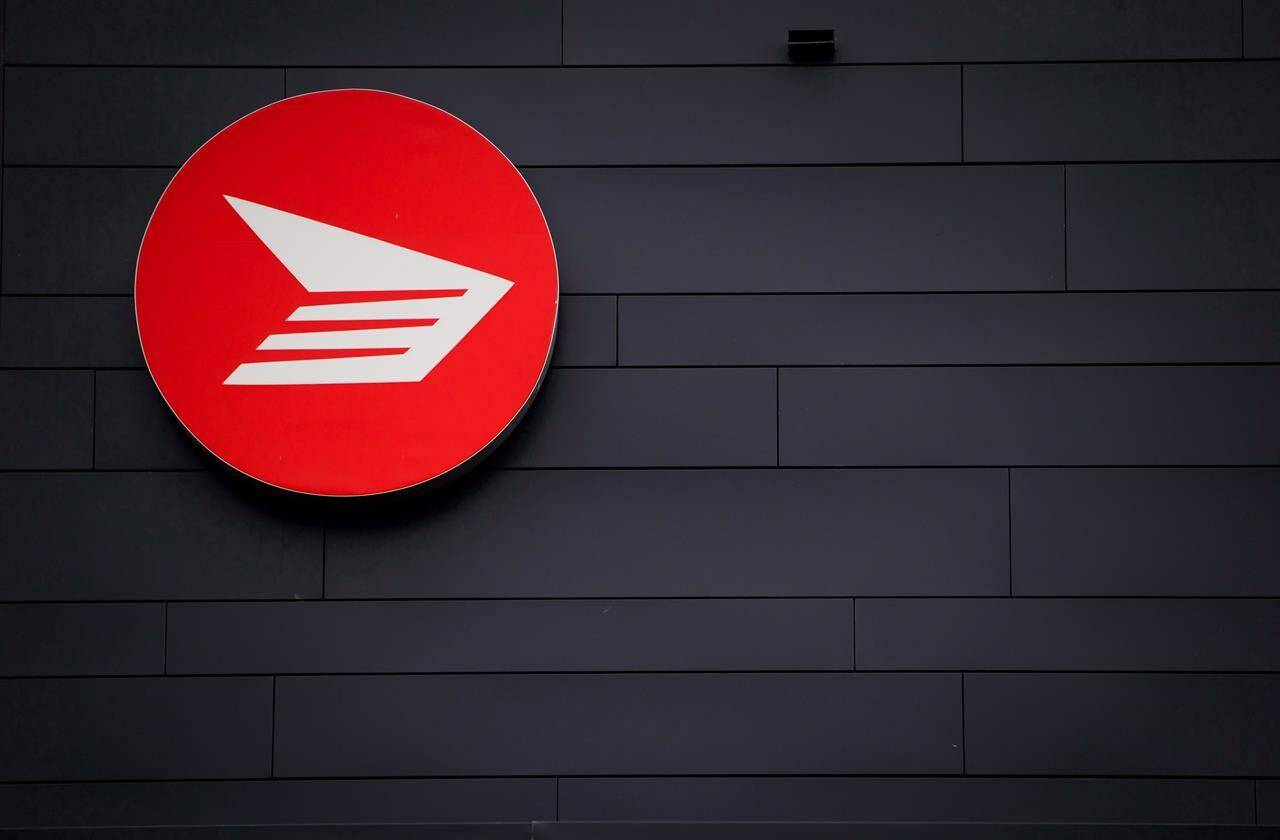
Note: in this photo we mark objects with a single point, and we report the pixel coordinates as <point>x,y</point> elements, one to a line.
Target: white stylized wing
<point>325,258</point>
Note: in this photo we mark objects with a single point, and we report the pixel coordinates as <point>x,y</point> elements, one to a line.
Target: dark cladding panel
<point>963,416</point>
<point>908,800</point>
<point>278,801</point>
<point>810,229</point>
<point>1268,802</point>
<point>135,728</point>
<point>980,329</point>
<point>134,429</point>
<point>1122,112</point>
<point>586,333</point>
<point>754,31</point>
<point>1179,532</point>
<point>688,115</point>
<point>1122,724</point>
<point>1261,28</point>
<point>231,32</point>
<point>76,231</point>
<point>459,636</point>
<point>980,634</point>
<point>46,419</point>
<point>1173,226</point>
<point>81,639</point>
<point>125,116</point>
<point>621,723</point>
<point>53,332</point>
<point>106,536</point>
<point>684,533</point>
<point>649,418</point>
<point>887,831</point>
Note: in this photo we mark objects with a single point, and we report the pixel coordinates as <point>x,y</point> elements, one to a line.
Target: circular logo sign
<point>347,293</point>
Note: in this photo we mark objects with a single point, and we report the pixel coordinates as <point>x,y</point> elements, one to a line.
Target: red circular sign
<point>347,293</point>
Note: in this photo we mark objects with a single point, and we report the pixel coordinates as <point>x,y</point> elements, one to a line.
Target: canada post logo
<point>347,293</point>
<point>328,259</point>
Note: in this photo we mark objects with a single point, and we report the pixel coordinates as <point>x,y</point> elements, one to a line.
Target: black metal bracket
<point>811,44</point>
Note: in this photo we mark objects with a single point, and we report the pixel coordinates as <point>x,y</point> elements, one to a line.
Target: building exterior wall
<point>909,452</point>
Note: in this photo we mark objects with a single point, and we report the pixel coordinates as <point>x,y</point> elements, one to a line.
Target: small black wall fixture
<point>811,44</point>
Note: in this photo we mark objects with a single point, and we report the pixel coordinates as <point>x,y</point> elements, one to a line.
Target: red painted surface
<point>208,291</point>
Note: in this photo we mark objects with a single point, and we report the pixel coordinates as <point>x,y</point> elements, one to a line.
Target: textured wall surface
<point>911,452</point>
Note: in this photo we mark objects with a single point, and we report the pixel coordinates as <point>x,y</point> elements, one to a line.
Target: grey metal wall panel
<point>1261,28</point>
<point>278,801</point>
<point>125,115</point>
<point>107,536</point>
<point>686,533</point>
<point>75,230</point>
<point>1181,532</point>
<point>630,723</point>
<point>995,634</point>
<point>81,639</point>
<point>1268,802</point>
<point>909,800</point>
<point>51,332</point>
<point>649,418</point>
<point>586,331</point>
<point>686,115</point>
<point>481,636</point>
<point>820,229</point>
<point>1053,416</point>
<point>978,329</point>
<point>129,728</point>
<point>134,429</point>
<point>755,32</point>
<point>426,831</point>
<point>1122,724</point>
<point>1114,112</point>
<point>885,831</point>
<point>1173,226</point>
<point>46,419</point>
<point>284,32</point>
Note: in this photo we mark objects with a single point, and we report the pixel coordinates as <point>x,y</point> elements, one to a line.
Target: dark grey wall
<point>910,454</point>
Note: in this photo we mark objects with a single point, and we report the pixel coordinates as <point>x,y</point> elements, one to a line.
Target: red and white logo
<point>347,293</point>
